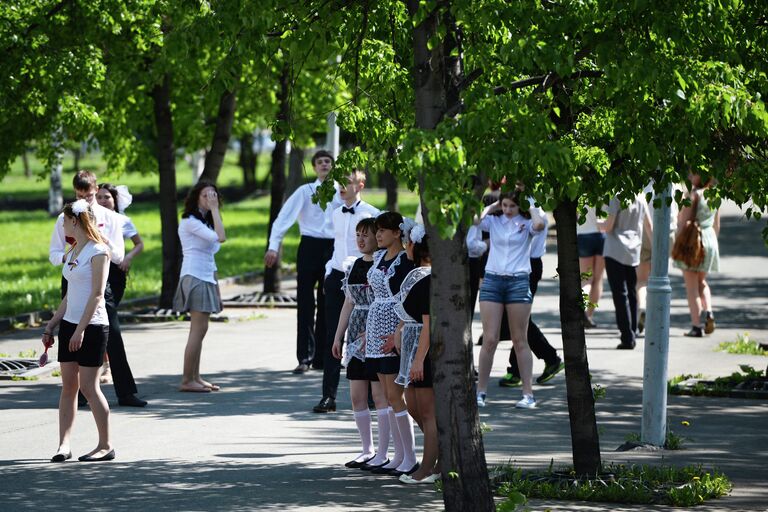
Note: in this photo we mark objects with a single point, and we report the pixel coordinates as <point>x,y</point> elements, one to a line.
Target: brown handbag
<point>688,246</point>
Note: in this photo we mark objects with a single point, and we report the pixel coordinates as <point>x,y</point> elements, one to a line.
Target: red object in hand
<point>48,343</point>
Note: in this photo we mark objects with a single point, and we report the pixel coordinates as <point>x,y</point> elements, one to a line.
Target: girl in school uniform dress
<point>507,287</point>
<point>354,313</point>
<point>390,266</point>
<point>415,366</point>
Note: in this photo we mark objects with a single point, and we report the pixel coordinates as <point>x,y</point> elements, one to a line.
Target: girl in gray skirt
<point>201,233</point>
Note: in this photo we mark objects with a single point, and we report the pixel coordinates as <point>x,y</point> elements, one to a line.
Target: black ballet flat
<point>396,472</point>
<point>383,471</point>
<point>61,457</point>
<point>107,456</point>
<point>354,464</point>
<point>369,467</point>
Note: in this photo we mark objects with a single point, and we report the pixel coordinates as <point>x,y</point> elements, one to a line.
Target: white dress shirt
<point>198,244</point>
<point>79,273</point>
<point>476,246</point>
<point>345,250</point>
<point>110,225</point>
<point>313,220</point>
<point>510,244</point>
<point>539,241</point>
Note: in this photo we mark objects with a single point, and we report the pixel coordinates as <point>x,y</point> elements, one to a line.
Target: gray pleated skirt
<point>196,295</point>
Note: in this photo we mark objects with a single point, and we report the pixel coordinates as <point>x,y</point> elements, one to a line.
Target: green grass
<point>28,282</point>
<point>743,345</point>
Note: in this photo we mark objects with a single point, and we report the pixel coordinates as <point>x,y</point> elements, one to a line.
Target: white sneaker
<point>481,399</point>
<point>527,402</point>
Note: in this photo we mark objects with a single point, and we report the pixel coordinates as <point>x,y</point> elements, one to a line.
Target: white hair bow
<point>405,228</point>
<point>124,198</point>
<point>79,206</point>
<point>417,233</point>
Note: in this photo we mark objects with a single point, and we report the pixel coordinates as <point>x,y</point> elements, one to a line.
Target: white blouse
<point>79,274</point>
<point>510,244</point>
<point>198,244</point>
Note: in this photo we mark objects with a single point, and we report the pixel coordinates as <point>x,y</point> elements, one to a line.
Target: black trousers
<point>334,302</point>
<point>623,281</point>
<point>312,256</point>
<point>536,340</point>
<point>122,377</point>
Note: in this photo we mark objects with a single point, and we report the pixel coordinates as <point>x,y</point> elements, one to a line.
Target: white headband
<point>417,233</point>
<point>79,206</point>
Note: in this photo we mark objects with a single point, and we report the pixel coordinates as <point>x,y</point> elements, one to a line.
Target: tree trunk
<point>277,172</point>
<point>389,182</point>
<point>295,170</point>
<point>215,157</point>
<point>25,162</point>
<point>466,486</point>
<point>76,157</point>
<point>585,442</point>
<point>247,161</point>
<point>55,194</point>
<point>166,162</point>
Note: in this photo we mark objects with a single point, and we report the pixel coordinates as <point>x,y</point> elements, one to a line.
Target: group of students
<point>88,240</point>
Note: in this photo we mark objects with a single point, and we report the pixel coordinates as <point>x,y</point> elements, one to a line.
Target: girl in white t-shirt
<point>507,286</point>
<point>83,330</point>
<point>201,232</point>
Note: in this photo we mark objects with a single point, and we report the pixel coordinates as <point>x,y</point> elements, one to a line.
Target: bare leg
<point>190,380</point>
<point>358,392</point>
<point>705,294</point>
<point>692,294</point>
<point>89,384</point>
<point>643,272</point>
<point>593,286</point>
<point>426,399</point>
<point>67,404</point>
<point>413,406</point>
<point>518,315</point>
<point>490,314</point>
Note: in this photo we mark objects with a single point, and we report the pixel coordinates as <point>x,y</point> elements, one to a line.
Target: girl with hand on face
<point>507,286</point>
<point>83,330</point>
<point>390,266</point>
<point>117,199</point>
<point>352,321</point>
<point>201,232</point>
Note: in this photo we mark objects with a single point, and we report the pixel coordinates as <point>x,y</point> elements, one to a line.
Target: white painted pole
<point>332,137</point>
<point>654,427</point>
<point>55,194</point>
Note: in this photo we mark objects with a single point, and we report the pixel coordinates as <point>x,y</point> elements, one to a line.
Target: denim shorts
<point>514,289</point>
<point>590,244</point>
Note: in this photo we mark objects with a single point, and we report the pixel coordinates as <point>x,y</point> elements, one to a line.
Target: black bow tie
<point>351,209</point>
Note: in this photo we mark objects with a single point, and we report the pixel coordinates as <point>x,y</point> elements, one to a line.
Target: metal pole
<point>332,138</point>
<point>654,426</point>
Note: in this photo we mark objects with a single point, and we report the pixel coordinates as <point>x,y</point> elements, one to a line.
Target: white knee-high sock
<point>363,422</point>
<point>405,427</point>
<point>397,459</point>
<point>382,420</point>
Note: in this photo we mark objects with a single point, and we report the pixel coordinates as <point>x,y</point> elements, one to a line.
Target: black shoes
<point>327,404</point>
<point>131,401</point>
<point>396,472</point>
<point>369,467</point>
<point>61,457</point>
<point>353,464</point>
<point>108,456</point>
<point>709,324</point>
<point>588,322</point>
<point>550,371</point>
<point>302,368</point>
<point>626,346</point>
<point>695,332</point>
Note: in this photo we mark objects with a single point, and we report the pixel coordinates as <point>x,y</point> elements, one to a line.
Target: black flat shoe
<point>326,405</point>
<point>625,346</point>
<point>353,464</point>
<point>368,467</point>
<point>61,457</point>
<point>107,456</point>
<point>397,473</point>
<point>381,470</point>
<point>131,401</point>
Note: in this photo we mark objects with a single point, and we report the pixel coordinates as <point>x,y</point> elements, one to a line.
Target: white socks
<point>398,457</point>
<point>382,419</point>
<point>405,426</point>
<point>363,421</point>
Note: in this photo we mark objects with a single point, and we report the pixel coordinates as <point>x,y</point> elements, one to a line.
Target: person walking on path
<point>345,251</point>
<point>201,232</point>
<point>697,289</point>
<point>590,241</point>
<point>506,286</point>
<point>117,199</point>
<point>315,249</point>
<point>83,326</point>
<point>110,225</point>
<point>354,313</point>
<point>539,344</point>
<point>625,228</point>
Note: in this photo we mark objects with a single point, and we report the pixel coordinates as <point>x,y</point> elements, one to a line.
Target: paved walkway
<point>255,445</point>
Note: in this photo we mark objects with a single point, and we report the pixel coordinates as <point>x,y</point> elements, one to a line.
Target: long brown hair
<point>88,223</point>
<point>192,203</point>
